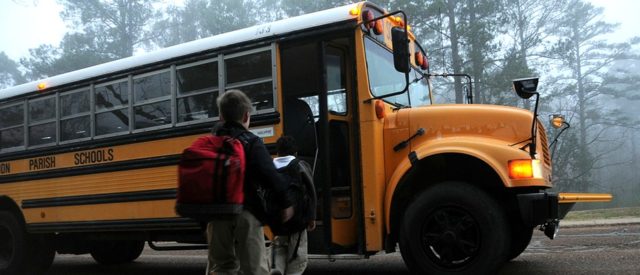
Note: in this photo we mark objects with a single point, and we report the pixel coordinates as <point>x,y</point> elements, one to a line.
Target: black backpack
<point>302,194</point>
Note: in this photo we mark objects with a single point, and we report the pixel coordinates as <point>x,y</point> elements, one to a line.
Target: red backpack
<point>211,179</point>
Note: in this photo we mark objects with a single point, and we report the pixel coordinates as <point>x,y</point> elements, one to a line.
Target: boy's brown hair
<point>233,104</point>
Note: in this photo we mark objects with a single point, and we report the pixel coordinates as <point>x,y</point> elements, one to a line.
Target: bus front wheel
<point>454,227</point>
<point>520,239</point>
<point>116,252</point>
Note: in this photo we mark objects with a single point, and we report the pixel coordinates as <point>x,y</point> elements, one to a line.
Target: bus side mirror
<point>400,43</point>
<point>525,87</point>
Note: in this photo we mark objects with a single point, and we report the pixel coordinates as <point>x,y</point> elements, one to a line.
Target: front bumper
<point>540,208</point>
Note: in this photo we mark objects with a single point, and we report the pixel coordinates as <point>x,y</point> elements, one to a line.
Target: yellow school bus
<point>88,158</point>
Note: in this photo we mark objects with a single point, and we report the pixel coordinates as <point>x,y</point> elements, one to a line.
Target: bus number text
<point>263,30</point>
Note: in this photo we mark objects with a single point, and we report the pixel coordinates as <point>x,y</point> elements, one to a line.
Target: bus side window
<point>12,126</point>
<point>112,112</point>
<point>253,74</point>
<point>152,100</point>
<point>75,119</point>
<point>42,121</point>
<point>197,86</point>
<point>336,91</point>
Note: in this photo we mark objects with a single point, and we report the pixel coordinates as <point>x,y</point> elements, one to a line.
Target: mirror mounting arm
<point>526,88</point>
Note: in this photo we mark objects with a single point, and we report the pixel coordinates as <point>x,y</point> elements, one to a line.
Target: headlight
<point>525,169</point>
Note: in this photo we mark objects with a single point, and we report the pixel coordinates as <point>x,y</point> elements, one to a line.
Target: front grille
<point>544,145</point>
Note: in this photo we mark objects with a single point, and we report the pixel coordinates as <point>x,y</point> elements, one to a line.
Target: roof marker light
<point>398,20</point>
<point>378,27</point>
<point>425,63</point>
<point>419,58</point>
<point>367,16</point>
<point>355,11</point>
<point>42,86</point>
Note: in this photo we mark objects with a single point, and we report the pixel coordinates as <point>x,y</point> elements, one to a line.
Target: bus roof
<point>271,29</point>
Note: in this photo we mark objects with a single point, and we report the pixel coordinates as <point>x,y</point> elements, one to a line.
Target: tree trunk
<point>455,50</point>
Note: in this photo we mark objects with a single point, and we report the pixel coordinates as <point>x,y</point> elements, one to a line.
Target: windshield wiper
<point>398,106</point>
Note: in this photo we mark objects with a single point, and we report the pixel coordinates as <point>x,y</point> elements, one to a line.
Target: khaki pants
<point>284,247</point>
<point>236,246</point>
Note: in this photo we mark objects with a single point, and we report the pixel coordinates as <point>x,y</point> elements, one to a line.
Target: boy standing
<point>236,245</point>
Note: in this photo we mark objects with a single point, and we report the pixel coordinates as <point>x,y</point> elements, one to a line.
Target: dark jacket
<point>259,169</point>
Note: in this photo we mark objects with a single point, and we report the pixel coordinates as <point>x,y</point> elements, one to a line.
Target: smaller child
<point>289,253</point>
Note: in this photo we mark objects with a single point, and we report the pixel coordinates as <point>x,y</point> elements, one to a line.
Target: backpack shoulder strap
<point>305,173</point>
<point>293,169</point>
<point>294,162</point>
<point>246,138</point>
<point>306,176</point>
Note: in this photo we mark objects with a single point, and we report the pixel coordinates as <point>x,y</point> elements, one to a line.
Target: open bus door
<point>316,94</point>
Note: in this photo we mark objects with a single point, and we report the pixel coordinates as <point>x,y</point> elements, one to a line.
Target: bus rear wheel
<point>454,227</point>
<point>20,252</point>
<point>116,252</point>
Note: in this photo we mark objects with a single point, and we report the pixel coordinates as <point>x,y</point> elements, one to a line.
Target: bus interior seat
<point>299,124</point>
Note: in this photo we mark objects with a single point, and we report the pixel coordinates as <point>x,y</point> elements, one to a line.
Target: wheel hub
<point>450,236</point>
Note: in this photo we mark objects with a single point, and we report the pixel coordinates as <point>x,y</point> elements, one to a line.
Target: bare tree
<point>584,57</point>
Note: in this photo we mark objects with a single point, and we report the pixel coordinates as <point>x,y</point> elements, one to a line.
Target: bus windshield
<point>384,79</point>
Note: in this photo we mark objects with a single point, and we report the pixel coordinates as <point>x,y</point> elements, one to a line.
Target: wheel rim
<point>6,246</point>
<point>450,237</point>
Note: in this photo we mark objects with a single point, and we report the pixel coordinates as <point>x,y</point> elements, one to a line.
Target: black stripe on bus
<point>94,169</point>
<point>256,121</point>
<point>117,225</point>
<point>103,168</point>
<point>161,194</point>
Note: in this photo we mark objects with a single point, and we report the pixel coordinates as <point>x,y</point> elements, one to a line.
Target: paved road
<point>582,250</point>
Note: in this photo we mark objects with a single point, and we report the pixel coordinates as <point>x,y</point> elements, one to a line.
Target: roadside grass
<point>611,213</point>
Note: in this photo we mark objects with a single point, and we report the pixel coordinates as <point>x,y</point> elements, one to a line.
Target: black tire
<point>520,239</point>
<point>43,253</point>
<point>116,252</point>
<point>22,253</point>
<point>454,227</point>
<point>13,245</point>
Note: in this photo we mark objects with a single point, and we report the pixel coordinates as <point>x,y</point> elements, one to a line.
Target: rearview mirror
<point>400,45</point>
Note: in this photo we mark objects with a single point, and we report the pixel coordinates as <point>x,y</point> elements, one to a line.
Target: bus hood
<point>508,124</point>
<point>493,134</point>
